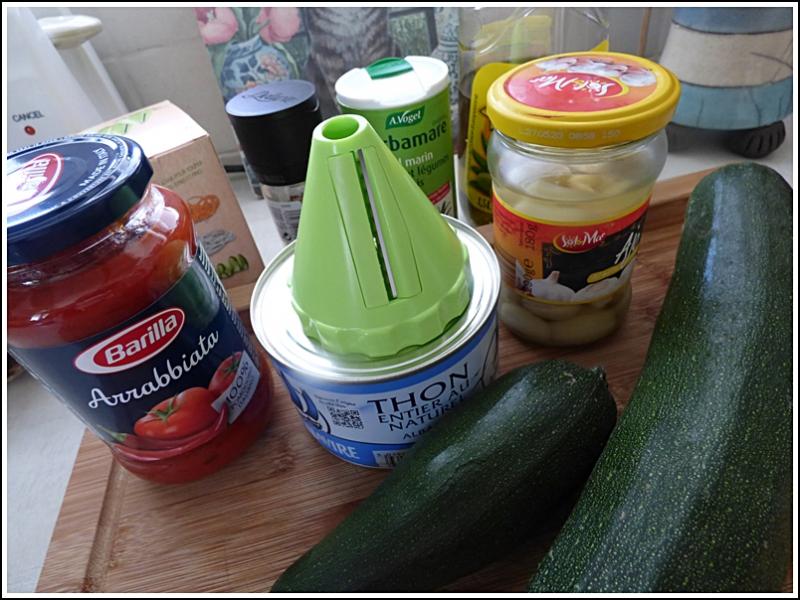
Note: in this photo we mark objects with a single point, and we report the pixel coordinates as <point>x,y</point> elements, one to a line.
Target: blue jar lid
<point>63,191</point>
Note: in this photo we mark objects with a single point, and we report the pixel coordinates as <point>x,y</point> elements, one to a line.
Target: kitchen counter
<point>43,436</point>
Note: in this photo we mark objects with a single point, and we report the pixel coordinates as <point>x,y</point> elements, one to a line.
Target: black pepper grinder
<point>274,122</point>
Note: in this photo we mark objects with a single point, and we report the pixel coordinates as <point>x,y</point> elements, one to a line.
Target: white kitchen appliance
<point>56,83</point>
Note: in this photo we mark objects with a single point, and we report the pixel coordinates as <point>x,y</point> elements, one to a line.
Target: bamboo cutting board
<point>237,530</point>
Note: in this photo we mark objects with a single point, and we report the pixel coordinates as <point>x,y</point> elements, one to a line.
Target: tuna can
<point>407,101</point>
<point>367,411</point>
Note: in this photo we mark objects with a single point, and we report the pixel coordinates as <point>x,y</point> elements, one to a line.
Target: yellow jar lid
<point>583,100</point>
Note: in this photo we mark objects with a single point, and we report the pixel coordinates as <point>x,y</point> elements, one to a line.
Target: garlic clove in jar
<point>508,295</point>
<point>612,300</point>
<point>590,183</point>
<point>597,290</point>
<point>550,312</point>
<point>524,324</point>
<point>603,302</point>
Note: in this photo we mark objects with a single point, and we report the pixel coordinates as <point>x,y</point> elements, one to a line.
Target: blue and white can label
<point>374,424</point>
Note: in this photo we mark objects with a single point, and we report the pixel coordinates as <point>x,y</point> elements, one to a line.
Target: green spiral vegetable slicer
<point>376,268</point>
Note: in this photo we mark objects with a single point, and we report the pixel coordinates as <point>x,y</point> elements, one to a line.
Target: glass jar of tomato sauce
<point>116,308</point>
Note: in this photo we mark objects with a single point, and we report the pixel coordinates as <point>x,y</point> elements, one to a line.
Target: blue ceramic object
<point>733,107</point>
<point>735,66</point>
<point>734,20</point>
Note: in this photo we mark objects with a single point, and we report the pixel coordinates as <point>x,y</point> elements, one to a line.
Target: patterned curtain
<point>250,46</point>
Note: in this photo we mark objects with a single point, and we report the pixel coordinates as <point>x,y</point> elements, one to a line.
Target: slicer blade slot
<point>383,254</point>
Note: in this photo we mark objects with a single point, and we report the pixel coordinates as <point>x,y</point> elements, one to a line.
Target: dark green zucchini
<point>694,489</point>
<point>480,481</point>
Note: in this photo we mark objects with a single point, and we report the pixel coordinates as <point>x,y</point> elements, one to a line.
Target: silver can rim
<point>280,333</point>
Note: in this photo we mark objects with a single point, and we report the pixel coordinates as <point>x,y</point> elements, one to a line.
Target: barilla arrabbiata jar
<point>116,308</point>
<point>578,144</point>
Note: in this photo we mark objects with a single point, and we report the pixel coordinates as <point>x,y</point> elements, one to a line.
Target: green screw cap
<point>376,269</point>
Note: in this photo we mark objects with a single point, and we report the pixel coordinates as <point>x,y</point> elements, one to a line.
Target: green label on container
<point>420,137</point>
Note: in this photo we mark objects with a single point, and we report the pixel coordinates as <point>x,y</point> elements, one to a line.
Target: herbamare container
<point>370,411</point>
<point>577,146</point>
<point>407,101</point>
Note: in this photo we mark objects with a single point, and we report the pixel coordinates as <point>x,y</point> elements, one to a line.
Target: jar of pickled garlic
<point>578,144</point>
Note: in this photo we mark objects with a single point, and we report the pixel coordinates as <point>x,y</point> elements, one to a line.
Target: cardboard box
<point>184,160</point>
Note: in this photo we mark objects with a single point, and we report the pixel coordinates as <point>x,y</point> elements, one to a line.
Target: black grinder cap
<point>274,122</point>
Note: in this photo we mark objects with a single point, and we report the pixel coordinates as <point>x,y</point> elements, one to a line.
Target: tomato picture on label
<point>224,375</point>
<point>145,449</point>
<point>180,416</point>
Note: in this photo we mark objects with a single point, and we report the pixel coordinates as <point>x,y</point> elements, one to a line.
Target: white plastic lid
<point>392,82</point>
<point>69,31</point>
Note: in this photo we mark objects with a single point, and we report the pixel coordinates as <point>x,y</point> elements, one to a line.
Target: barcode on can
<point>388,459</point>
<point>346,417</point>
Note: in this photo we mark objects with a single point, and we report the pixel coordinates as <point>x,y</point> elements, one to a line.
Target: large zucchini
<point>476,484</point>
<point>694,489</point>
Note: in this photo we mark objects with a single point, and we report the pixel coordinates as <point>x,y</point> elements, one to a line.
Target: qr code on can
<point>388,459</point>
<point>346,417</point>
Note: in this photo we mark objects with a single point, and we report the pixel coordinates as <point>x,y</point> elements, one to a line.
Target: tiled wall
<point>157,53</point>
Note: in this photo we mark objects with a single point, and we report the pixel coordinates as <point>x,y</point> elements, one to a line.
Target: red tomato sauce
<point>86,290</point>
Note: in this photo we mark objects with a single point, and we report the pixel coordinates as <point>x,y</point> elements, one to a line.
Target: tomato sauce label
<point>566,263</point>
<point>166,380</point>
